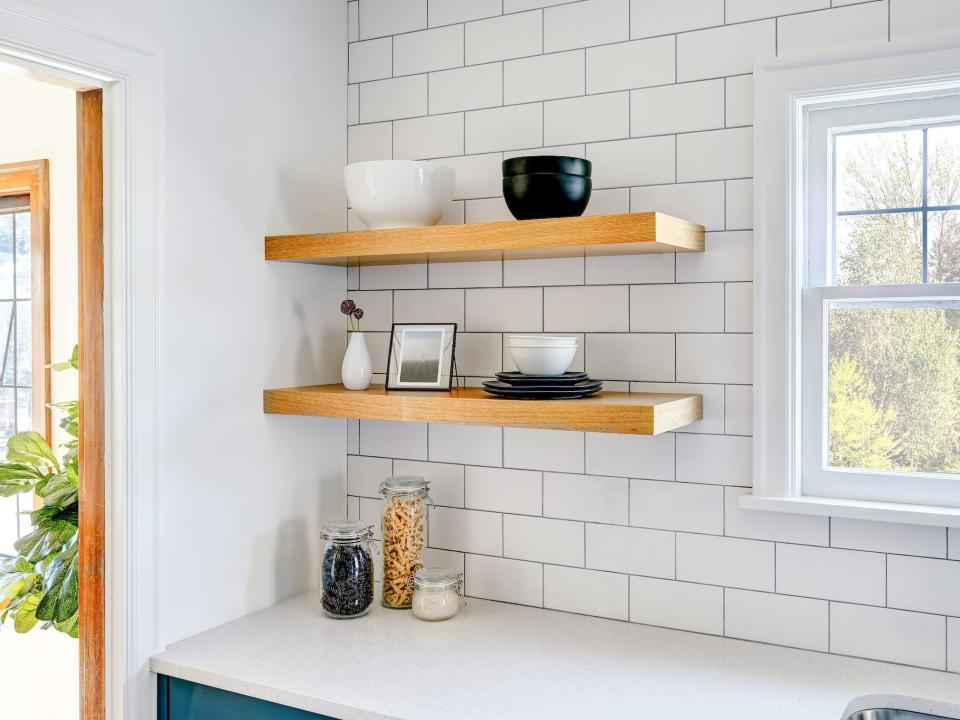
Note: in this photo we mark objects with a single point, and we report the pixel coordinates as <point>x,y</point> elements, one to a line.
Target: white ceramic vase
<point>357,368</point>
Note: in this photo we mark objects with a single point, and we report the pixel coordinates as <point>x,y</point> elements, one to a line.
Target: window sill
<point>857,509</point>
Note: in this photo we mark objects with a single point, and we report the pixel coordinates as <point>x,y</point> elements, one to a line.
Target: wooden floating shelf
<point>608,412</point>
<point>630,234</point>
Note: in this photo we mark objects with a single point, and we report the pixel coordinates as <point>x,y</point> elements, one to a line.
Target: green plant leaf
<point>73,362</point>
<point>18,478</point>
<point>25,617</point>
<point>31,449</point>
<point>49,537</point>
<point>70,626</point>
<point>59,603</point>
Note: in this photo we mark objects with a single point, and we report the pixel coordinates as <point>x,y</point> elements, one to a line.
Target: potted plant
<point>357,368</point>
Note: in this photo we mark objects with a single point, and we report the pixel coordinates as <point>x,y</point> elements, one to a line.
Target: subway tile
<point>446,481</point>
<point>370,60</point>
<point>576,366</point>
<point>377,308</point>
<point>378,343</point>
<point>500,490</point>
<point>353,21</point>
<point>587,592</point>
<point>504,310</point>
<point>777,619</point>
<point>636,551</point>
<point>553,450</point>
<point>738,307</point>
<point>467,444</point>
<point>923,584</point>
<point>353,104</point>
<point>701,203</point>
<point>501,38</point>
<point>512,581</point>
<point>479,354</point>
<point>694,307</point>
<point>393,277</point>
<point>353,273</point>
<point>836,29</point>
<point>739,101</point>
<point>587,119</point>
<point>686,107</point>
<point>713,402</point>
<point>639,161</point>
<point>544,77</point>
<point>389,17</point>
<point>559,542</point>
<point>466,530</point>
<point>923,19</point>
<point>426,306</point>
<point>715,358</point>
<point>506,128</point>
<point>648,357</point>
<point>487,210</point>
<point>628,65</point>
<point>744,10</point>
<point>593,498</point>
<point>469,88</point>
<point>447,12</point>
<point>890,635</point>
<point>428,50</point>
<point>613,201</point>
<point>629,269</point>
<point>364,474</point>
<point>353,436</point>
<point>353,508</point>
<point>888,537</point>
<point>662,17</point>
<point>393,439</point>
<point>953,543</point>
<point>582,24</point>
<point>370,510</point>
<point>953,644</point>
<point>393,99</point>
<point>370,142</point>
<point>739,204</point>
<point>731,562</point>
<point>722,51</point>
<point>427,137</point>
<point>435,557</point>
<point>543,271</point>
<point>715,154</point>
<point>513,6</point>
<point>715,459</point>
<point>477,176</point>
<point>676,506</point>
<point>574,150</point>
<point>678,605</point>
<point>727,256</point>
<point>846,575</point>
<point>764,525</point>
<point>738,419</point>
<point>592,308</point>
<point>484,273</point>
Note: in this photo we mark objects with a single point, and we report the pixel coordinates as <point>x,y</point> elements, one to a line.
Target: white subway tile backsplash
<point>512,6</point>
<point>915,20</point>
<point>679,605</point>
<point>713,403</point>
<point>377,307</point>
<point>506,128</point>
<point>428,137</point>
<point>586,497</point>
<point>587,119</point>
<point>721,51</point>
<point>595,308</point>
<point>701,203</point>
<point>629,269</point>
<point>888,537</point>
<point>559,542</point>
<point>428,306</point>
<point>470,531</point>
<point>502,490</point>
<point>581,24</point>
<point>353,508</point>
<point>662,17</point>
<point>627,65</point>
<point>428,50</point>
<point>543,271</point>
<point>468,88</point>
<point>732,562</point>
<point>778,619</point>
<point>739,410</point>
<point>892,635</point>
<point>608,202</point>
<point>715,154</point>
<point>504,310</point>
<point>953,543</point>
<point>677,108</point>
<point>446,481</point>
<point>446,12</point>
<point>477,176</point>
<point>846,575</point>
<point>647,357</point>
<point>369,142</point>
<point>676,506</point>
<point>738,307</point>
<point>501,38</point>
<point>640,161</point>
<point>512,581</point>
<point>544,77</point>
<point>353,21</point>
<point>467,444</point>
<point>487,210</point>
<point>715,459</point>
<point>378,344</point>
<point>953,644</point>
<point>555,450</point>
<point>739,100</point>
<point>370,60</point>
<point>364,475</point>
<point>676,308</point>
<point>635,551</point>
<point>715,358</point>
<point>843,28</point>
<point>587,592</point>
<point>763,525</point>
<point>392,277</point>
<point>393,439</point>
<point>353,104</point>
<point>388,17</point>
<point>393,99</point>
<point>743,10</point>
<point>484,273</point>
<point>739,204</point>
<point>923,584</point>
<point>479,354</point>
<point>728,256</point>
<point>353,436</point>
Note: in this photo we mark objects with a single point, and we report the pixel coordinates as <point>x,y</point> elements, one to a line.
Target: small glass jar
<point>347,569</point>
<point>404,536</point>
<point>437,593</point>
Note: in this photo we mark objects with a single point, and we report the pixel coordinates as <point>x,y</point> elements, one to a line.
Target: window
<point>858,345</point>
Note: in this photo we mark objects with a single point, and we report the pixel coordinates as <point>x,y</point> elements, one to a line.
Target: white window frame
<point>786,92</point>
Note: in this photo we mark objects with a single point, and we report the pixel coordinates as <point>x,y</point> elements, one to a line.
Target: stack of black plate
<point>542,387</point>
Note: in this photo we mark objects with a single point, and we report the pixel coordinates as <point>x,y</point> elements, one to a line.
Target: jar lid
<point>404,484</point>
<point>437,579</point>
<point>346,530</point>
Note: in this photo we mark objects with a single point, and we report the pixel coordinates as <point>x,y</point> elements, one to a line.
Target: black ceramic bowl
<point>546,164</point>
<point>546,195</point>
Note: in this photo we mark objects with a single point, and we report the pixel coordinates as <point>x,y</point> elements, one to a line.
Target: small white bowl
<point>398,193</point>
<point>541,340</point>
<point>542,360</point>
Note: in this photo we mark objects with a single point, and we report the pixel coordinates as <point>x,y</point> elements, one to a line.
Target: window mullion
<point>924,211</point>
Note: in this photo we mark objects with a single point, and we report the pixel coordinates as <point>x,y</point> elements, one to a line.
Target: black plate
<point>541,394</point>
<point>565,380</point>
<point>500,388</point>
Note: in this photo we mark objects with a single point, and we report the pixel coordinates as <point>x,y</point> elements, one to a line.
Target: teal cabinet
<point>182,700</point>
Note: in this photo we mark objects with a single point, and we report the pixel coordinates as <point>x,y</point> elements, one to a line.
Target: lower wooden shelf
<point>609,412</point>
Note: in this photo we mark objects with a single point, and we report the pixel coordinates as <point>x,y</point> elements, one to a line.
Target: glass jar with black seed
<point>346,574</point>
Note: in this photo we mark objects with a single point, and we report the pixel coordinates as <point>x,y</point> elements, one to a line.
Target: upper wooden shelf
<point>630,234</point>
<point>608,412</point>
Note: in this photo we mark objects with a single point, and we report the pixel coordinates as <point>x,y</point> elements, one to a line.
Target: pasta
<point>404,519</point>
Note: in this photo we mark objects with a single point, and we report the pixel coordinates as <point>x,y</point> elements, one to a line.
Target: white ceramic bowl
<point>398,193</point>
<point>542,340</point>
<point>542,360</point>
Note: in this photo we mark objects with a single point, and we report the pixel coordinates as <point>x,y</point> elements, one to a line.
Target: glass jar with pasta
<point>404,536</point>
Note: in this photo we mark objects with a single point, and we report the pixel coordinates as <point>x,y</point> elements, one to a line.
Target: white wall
<point>658,94</point>
<point>253,143</point>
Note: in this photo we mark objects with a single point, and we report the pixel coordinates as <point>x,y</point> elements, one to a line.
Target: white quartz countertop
<point>497,661</point>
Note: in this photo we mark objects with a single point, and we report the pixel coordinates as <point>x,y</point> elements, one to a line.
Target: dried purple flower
<point>358,313</point>
<point>347,307</point>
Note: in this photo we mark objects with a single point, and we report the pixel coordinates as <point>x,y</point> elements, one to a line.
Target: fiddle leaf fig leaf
<point>71,626</point>
<point>18,478</point>
<point>25,618</point>
<point>30,448</point>
<point>49,537</point>
<point>59,603</point>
